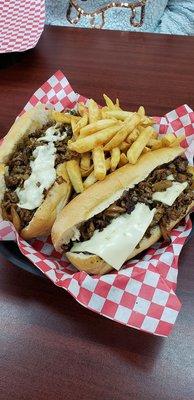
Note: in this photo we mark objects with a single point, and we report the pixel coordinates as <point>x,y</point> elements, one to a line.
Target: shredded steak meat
<point>19,169</point>
<point>143,193</point>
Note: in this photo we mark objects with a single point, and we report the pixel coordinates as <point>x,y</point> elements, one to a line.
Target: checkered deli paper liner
<point>142,294</point>
<point>21,24</point>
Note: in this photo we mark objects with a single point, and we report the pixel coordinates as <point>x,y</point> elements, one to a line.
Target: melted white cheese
<point>52,134</point>
<point>170,177</point>
<point>43,175</point>
<point>117,241</point>
<point>169,195</point>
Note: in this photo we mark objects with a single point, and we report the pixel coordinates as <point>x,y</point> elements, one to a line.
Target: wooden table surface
<point>51,347</point>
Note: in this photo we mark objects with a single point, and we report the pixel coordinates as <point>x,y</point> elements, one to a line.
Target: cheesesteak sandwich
<point>34,185</point>
<point>129,211</point>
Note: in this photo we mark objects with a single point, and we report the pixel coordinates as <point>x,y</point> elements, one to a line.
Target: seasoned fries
<point>168,139</point>
<point>110,104</point>
<point>74,121</point>
<point>115,158</point>
<point>99,163</point>
<point>96,127</point>
<point>146,150</point>
<point>61,117</point>
<point>90,142</point>
<point>177,141</point>
<point>141,111</point>
<point>118,114</point>
<point>137,147</point>
<point>91,179</point>
<point>93,111</point>
<point>133,136</point>
<point>128,126</point>
<point>124,146</point>
<point>108,138</point>
<point>62,171</point>
<point>85,161</point>
<point>155,144</point>
<point>146,121</point>
<point>85,173</point>
<point>75,177</point>
<point>81,123</point>
<point>82,109</point>
<point>123,160</point>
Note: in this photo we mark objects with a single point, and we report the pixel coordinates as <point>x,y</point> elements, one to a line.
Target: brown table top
<point>51,347</point>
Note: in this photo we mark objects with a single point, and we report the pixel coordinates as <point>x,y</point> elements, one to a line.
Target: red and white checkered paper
<point>141,295</point>
<point>21,24</point>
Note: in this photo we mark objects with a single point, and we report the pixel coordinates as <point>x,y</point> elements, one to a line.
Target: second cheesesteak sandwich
<point>129,211</point>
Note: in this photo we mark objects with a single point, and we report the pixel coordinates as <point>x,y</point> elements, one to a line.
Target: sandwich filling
<point>31,171</point>
<point>115,232</point>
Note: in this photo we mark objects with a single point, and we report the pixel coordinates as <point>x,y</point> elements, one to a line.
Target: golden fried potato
<point>99,163</point>
<point>137,147</point>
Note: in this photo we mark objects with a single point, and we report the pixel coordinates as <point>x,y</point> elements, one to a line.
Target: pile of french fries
<point>108,138</point>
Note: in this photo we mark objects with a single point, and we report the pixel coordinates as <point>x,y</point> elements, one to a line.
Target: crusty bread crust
<point>23,126</point>
<point>44,217</point>
<point>88,203</point>
<point>94,265</point>
<point>57,196</point>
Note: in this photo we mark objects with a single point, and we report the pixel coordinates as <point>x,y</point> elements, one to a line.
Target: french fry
<point>123,160</point>
<point>61,117</point>
<point>117,105</point>
<point>124,146</point>
<point>97,139</point>
<point>115,158</point>
<point>132,136</point>
<point>141,112</point>
<point>93,111</point>
<point>127,128</point>
<point>74,121</point>
<point>155,144</point>
<point>147,121</point>
<point>85,161</point>
<point>99,163</point>
<point>85,173</point>
<point>146,150</point>
<point>137,147</point>
<point>118,114</point>
<point>154,134</point>
<point>62,171</point>
<point>109,102</point>
<point>75,177</point>
<point>168,139</point>
<point>178,140</point>
<point>82,110</point>
<point>96,127</point>
<point>80,124</point>
<point>91,179</point>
